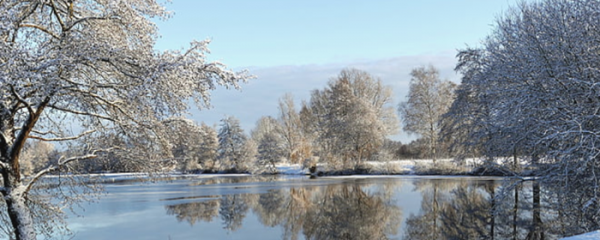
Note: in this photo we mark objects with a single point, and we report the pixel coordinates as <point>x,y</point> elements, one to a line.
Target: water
<point>245,207</point>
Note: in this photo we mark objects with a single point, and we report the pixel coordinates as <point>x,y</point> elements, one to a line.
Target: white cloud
<point>259,97</point>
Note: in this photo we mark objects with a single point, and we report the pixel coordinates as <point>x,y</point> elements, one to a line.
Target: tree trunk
<point>20,215</point>
<point>13,193</point>
<point>432,146</point>
<point>515,161</point>
<point>536,232</point>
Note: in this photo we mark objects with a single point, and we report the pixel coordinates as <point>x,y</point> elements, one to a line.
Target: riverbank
<point>586,236</point>
<point>469,167</point>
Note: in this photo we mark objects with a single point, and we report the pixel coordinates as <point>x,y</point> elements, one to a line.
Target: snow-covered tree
<point>207,153</point>
<point>428,99</point>
<point>36,156</point>
<point>265,125</point>
<point>128,154</point>
<point>291,129</point>
<point>536,77</point>
<point>90,66</point>
<point>270,144</point>
<point>186,139</point>
<point>351,118</point>
<point>270,151</point>
<point>234,150</point>
<point>465,124</point>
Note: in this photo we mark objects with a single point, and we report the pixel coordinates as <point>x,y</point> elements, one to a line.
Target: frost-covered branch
<point>21,100</point>
<point>105,117</point>
<point>56,15</point>
<point>62,138</point>
<point>4,165</point>
<point>54,35</point>
<point>85,19</point>
<point>61,162</point>
<point>27,127</point>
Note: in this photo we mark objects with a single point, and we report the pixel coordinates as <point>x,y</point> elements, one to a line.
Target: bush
<point>440,168</point>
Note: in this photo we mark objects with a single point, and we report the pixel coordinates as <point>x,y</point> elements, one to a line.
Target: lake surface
<point>297,207</point>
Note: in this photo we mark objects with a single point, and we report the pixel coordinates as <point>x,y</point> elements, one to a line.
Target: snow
<point>19,207</point>
<point>291,169</point>
<point>585,236</point>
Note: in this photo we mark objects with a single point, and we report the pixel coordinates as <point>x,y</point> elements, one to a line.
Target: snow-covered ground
<point>585,236</point>
<point>291,169</point>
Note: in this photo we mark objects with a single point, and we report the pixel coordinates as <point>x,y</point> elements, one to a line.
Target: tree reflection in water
<point>204,211</point>
<point>465,209</point>
<point>450,209</point>
<point>344,211</point>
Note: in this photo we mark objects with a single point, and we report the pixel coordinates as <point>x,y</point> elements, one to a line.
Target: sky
<point>297,46</point>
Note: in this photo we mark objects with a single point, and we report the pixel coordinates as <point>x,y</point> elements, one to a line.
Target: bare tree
<point>90,66</point>
<point>428,99</point>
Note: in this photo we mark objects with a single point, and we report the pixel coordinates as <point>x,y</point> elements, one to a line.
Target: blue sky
<point>297,46</point>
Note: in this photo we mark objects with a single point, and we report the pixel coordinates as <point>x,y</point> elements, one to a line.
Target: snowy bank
<point>585,236</point>
<point>291,169</point>
<point>396,167</point>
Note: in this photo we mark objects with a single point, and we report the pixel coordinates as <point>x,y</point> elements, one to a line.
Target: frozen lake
<point>297,207</point>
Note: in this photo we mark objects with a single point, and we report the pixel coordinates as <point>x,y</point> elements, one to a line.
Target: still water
<point>284,207</point>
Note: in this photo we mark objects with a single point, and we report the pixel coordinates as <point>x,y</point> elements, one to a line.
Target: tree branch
<point>63,138</point>
<point>88,19</point>
<point>19,142</point>
<point>60,21</point>
<point>41,29</point>
<point>3,140</point>
<point>62,162</point>
<point>21,100</point>
<point>81,113</point>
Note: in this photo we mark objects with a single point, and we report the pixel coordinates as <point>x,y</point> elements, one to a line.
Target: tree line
<point>340,128</point>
